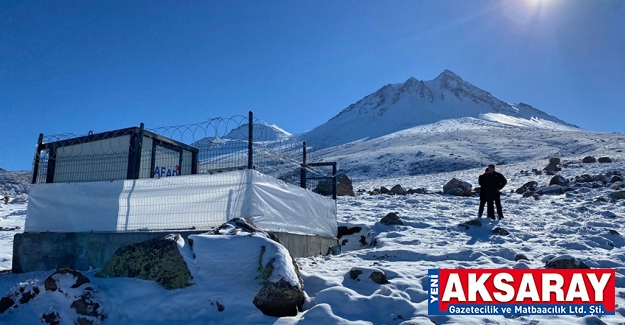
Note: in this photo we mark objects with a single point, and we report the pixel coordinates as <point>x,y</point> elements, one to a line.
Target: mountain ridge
<point>400,106</point>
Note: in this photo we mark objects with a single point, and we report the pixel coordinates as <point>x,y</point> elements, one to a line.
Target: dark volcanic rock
<point>566,262</point>
<point>391,219</point>
<point>156,259</point>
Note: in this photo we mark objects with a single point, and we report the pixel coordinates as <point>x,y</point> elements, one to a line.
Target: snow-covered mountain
<point>396,107</point>
<point>262,132</point>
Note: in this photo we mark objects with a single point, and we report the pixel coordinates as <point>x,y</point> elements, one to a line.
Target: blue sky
<point>75,66</point>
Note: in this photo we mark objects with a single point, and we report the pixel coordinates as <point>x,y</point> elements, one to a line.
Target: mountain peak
<point>448,74</point>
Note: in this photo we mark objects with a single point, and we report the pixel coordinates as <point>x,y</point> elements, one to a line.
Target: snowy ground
<point>576,224</point>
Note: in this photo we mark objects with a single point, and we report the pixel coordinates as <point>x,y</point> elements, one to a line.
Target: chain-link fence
<point>215,146</point>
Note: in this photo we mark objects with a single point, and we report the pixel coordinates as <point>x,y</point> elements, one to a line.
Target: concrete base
<point>84,250</point>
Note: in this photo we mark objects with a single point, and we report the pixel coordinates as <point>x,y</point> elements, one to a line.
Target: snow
<point>580,224</point>
<point>576,225</point>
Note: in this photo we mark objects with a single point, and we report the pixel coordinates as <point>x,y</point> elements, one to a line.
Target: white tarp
<point>179,203</point>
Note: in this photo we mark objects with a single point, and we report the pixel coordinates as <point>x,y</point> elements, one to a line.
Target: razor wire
<point>222,144</point>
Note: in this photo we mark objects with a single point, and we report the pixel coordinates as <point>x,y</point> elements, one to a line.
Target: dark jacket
<point>493,182</point>
<point>482,181</point>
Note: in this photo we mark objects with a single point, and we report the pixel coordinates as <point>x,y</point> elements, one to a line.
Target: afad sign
<point>521,291</point>
<point>166,172</point>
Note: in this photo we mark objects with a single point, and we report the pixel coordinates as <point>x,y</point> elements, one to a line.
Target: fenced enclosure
<point>215,146</point>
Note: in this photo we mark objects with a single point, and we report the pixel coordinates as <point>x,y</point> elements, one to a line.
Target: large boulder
<point>558,180</point>
<point>589,159</point>
<point>584,179</point>
<point>157,259</point>
<point>455,183</point>
<point>398,190</point>
<point>552,190</point>
<point>262,265</point>
<point>344,186</point>
<point>529,186</point>
<point>604,160</point>
<point>553,165</point>
<point>565,262</point>
<point>391,219</point>
<point>619,195</point>
<point>67,290</point>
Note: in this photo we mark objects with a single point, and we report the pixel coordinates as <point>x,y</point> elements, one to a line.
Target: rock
<point>456,183</point>
<point>416,191</point>
<point>366,274</point>
<point>66,288</point>
<point>618,186</point>
<point>398,190</point>
<point>558,180</point>
<point>537,172</point>
<point>384,190</point>
<point>378,277</point>
<point>237,226</point>
<point>354,273</point>
<point>457,191</point>
<point>391,219</point>
<point>615,178</point>
<point>529,186</point>
<point>264,265</point>
<point>500,231</point>
<point>76,278</point>
<point>604,160</point>
<point>598,178</point>
<point>554,161</point>
<point>589,159</point>
<point>565,262</point>
<point>19,295</point>
<point>5,304</point>
<point>474,223</point>
<point>280,298</point>
<point>346,231</point>
<point>617,195</point>
<point>529,194</point>
<point>51,318</point>
<point>88,307</point>
<point>344,186</point>
<point>583,179</point>
<point>157,259</point>
<point>552,190</point>
<point>519,257</point>
<point>552,168</point>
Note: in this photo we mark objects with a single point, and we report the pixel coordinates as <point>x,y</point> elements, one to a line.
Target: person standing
<point>494,182</point>
<point>482,181</point>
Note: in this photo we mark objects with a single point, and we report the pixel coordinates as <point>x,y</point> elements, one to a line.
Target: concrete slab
<point>84,250</point>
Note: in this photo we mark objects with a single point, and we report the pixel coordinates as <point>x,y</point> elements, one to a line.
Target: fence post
<point>139,151</point>
<point>334,181</point>
<point>36,162</point>
<point>250,141</point>
<point>302,180</point>
<point>134,153</point>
